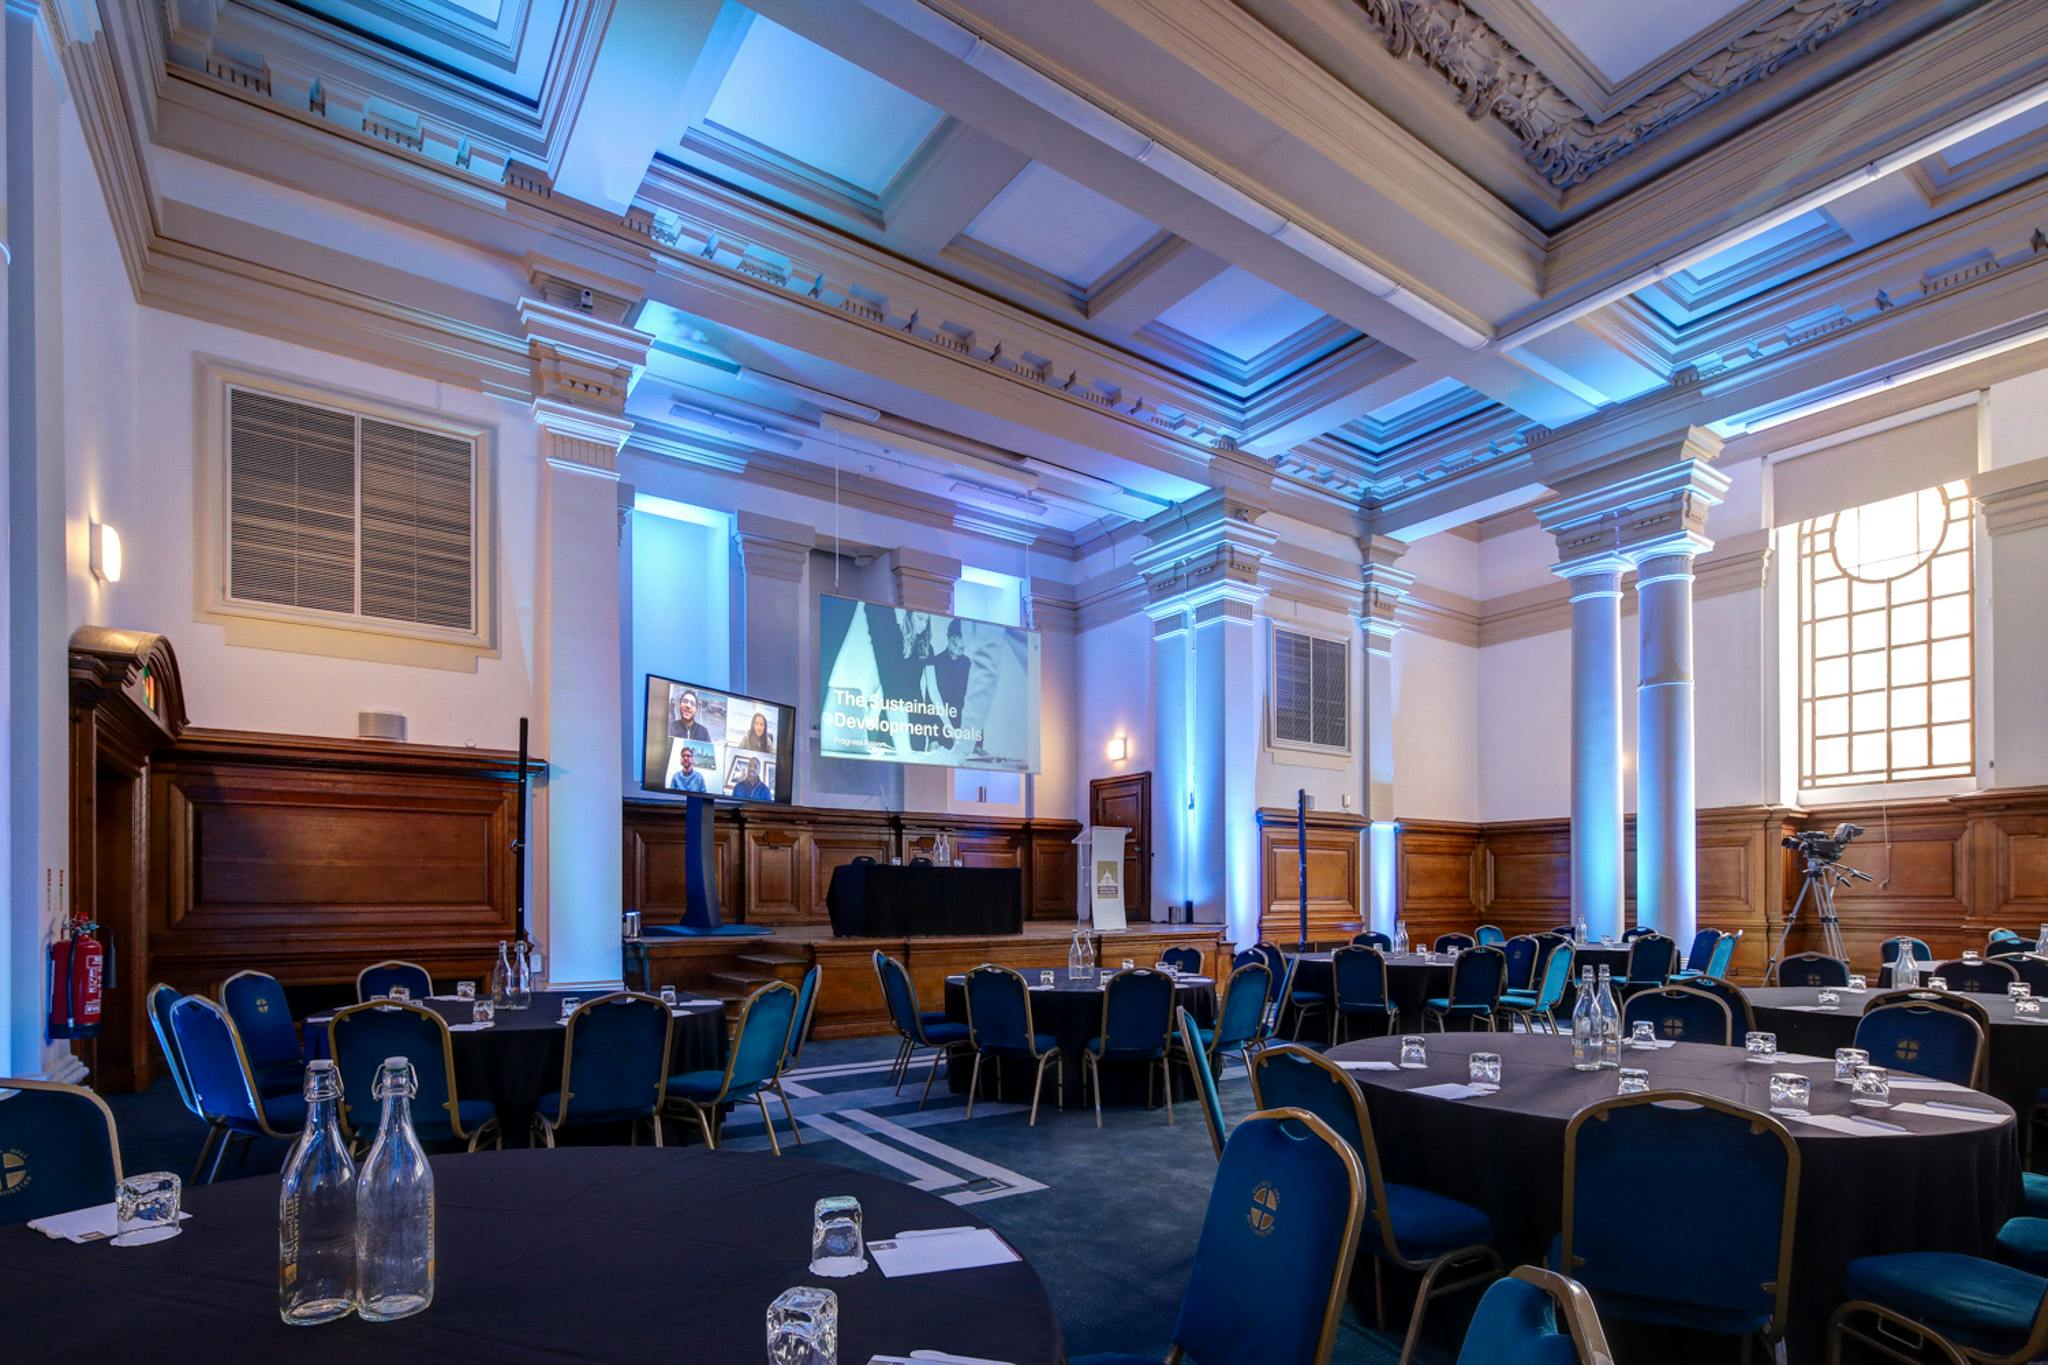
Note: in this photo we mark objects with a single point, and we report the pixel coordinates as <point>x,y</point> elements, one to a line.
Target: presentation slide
<point>901,686</point>
<point>716,743</point>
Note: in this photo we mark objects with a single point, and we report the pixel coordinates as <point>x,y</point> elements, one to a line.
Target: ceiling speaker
<point>381,725</point>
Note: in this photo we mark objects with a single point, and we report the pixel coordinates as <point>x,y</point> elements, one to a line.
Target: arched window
<point>1885,652</point>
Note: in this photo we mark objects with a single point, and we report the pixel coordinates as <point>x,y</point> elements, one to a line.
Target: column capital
<point>1652,504</point>
<point>1054,611</point>
<point>771,547</point>
<point>578,438</point>
<point>924,581</point>
<point>2014,498</point>
<point>579,358</point>
<point>1385,588</point>
<point>1206,549</point>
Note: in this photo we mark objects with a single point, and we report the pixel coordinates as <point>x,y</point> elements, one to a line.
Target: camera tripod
<point>1822,875</point>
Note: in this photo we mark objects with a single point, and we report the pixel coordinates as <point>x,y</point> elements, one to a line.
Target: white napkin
<point>1969,1113</point>
<point>932,1358</point>
<point>1369,1066</point>
<point>95,1224</point>
<point>1800,1059</point>
<point>466,1028</point>
<point>934,1249</point>
<point>1844,1123</point>
<point>451,997</point>
<point>1453,1090</point>
<point>1924,1083</point>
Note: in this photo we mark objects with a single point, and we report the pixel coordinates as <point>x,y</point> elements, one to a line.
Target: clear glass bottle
<point>1585,1026</point>
<point>316,1211</point>
<point>2041,942</point>
<point>1579,931</point>
<point>1610,1023</point>
<point>522,978</point>
<point>1905,968</point>
<point>537,965</point>
<point>1087,957</point>
<point>1400,936</point>
<point>394,1243</point>
<point>1074,957</point>
<point>501,977</point>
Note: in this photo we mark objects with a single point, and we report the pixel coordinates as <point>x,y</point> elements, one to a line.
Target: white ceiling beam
<point>657,67</point>
<point>949,189</point>
<point>1152,286</point>
<point>1382,378</point>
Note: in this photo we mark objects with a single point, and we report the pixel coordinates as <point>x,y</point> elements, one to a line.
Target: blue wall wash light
<point>1383,838</point>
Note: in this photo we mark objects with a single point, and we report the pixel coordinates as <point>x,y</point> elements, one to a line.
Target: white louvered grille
<point>418,534</point>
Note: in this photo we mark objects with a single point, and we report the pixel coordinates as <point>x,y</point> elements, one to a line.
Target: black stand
<point>1301,860</point>
<point>700,867</point>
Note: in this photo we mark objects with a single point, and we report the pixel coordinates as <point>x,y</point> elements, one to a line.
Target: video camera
<point>1823,848</point>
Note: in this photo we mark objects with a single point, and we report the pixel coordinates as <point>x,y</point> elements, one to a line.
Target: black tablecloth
<point>1072,1012</point>
<point>883,900</point>
<point>2019,1051</point>
<point>1944,1185</point>
<point>594,1254</point>
<point>519,1057</point>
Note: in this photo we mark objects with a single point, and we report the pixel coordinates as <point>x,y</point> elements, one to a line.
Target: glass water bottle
<point>1610,1023</point>
<point>1905,968</point>
<point>501,977</point>
<point>394,1242</point>
<point>1400,936</point>
<point>522,978</point>
<point>316,1211</point>
<point>537,966</point>
<point>1074,957</point>
<point>1585,1026</point>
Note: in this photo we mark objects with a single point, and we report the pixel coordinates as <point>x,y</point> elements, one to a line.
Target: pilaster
<point>2014,556</point>
<point>1384,588</point>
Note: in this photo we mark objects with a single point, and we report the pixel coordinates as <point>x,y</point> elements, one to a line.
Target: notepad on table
<point>922,1252</point>
<point>933,1358</point>
<point>1936,1110</point>
<point>1453,1090</point>
<point>466,1028</point>
<point>1899,1082</point>
<point>1369,1066</point>
<point>95,1224</point>
<point>1853,1125</point>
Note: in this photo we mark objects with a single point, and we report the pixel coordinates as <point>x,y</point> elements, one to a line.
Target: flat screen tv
<point>700,739</point>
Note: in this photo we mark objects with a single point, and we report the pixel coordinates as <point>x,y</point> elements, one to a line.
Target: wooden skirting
<point>776,862</point>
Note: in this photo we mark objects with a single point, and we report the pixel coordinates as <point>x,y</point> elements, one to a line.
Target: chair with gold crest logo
<point>257,1005</point>
<point>58,1150</point>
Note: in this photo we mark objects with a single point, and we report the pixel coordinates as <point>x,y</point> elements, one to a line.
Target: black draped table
<point>519,1057</point>
<point>1943,1185</point>
<point>1071,1011</point>
<point>593,1253</point>
<point>885,900</point>
<point>2019,1048</point>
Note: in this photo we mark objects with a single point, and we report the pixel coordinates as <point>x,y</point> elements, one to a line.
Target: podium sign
<point>1106,877</point>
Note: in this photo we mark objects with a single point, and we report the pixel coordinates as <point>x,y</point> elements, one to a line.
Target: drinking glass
<point>1937,983</point>
<point>1858,985</point>
<point>668,996</point>
<point>1873,1087</point>
<point>1642,1035</point>
<point>837,1249</point>
<point>146,1209</point>
<point>1760,1047</point>
<point>1452,953</point>
<point>1848,1060</point>
<point>1830,999</point>
<point>1970,956</point>
<point>1127,965</point>
<point>2026,1007</point>
<point>401,994</point>
<point>1045,978</point>
<point>1634,1081</point>
<point>803,1327</point>
<point>1414,1051</point>
<point>1172,972</point>
<point>1606,940</point>
<point>2019,990</point>
<point>465,990</point>
<point>570,1004</point>
<point>483,1012</point>
<point>1485,1069</point>
<point>1790,1092</point>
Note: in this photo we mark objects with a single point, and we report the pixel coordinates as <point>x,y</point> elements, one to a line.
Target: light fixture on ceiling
<point>1120,749</point>
<point>105,552</point>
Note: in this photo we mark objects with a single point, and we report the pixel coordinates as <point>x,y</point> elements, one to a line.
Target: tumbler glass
<point>1414,1051</point>
<point>570,1004</point>
<point>1760,1047</point>
<point>837,1249</point>
<point>1634,1081</point>
<point>465,990</point>
<point>1790,1092</point>
<point>1045,978</point>
<point>1971,956</point>
<point>1485,1069</point>
<point>2026,1007</point>
<point>1858,985</point>
<point>1937,983</point>
<point>401,994</point>
<point>146,1209</point>
<point>1873,1087</point>
<point>1642,1035</point>
<point>1126,965</point>
<point>1847,1060</point>
<point>803,1327</point>
<point>2018,990</point>
<point>483,1012</point>
<point>668,996</point>
<point>1829,999</point>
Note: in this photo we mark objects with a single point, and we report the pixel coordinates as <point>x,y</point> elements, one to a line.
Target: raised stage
<point>850,1000</point>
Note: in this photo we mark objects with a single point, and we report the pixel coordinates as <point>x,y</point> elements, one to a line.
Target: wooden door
<point>1126,802</point>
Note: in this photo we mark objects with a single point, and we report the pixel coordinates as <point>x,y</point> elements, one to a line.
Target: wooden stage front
<point>849,997</point>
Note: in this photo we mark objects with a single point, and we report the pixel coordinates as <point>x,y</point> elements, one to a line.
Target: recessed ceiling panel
<point>502,44</point>
<point>1240,314</point>
<point>814,107</point>
<point>1060,225</point>
<point>1620,37</point>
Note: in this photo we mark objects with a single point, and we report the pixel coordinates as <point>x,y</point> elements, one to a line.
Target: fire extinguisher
<point>77,981</point>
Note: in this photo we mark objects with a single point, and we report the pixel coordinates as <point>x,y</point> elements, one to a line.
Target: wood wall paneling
<point>1336,843</point>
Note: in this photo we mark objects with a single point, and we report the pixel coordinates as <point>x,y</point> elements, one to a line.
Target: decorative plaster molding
<point>1205,549</point>
<point>1440,614</point>
<point>772,548</point>
<point>1739,564</point>
<point>578,438</point>
<point>1558,138</point>
<point>2013,499</point>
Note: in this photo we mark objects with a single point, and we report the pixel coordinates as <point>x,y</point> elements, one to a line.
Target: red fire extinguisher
<point>77,981</point>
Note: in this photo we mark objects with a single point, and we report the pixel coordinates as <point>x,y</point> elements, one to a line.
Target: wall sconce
<point>105,553</point>
<point>1119,749</point>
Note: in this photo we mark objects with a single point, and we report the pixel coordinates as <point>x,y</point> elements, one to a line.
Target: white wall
<point>1437,738</point>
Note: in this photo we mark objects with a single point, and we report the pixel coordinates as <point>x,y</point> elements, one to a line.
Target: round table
<point>519,1057</point>
<point>2019,1048</point>
<point>1415,977</point>
<point>596,1253</point>
<point>1504,1153</point>
<point>1071,1011</point>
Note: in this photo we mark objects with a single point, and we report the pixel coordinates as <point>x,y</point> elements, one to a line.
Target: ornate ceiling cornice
<point>1565,145</point>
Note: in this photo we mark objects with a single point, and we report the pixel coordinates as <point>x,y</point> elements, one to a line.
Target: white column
<point>1172,747</point>
<point>924,582</point>
<point>1384,587</point>
<point>1598,865</point>
<point>1667,871</point>
<point>2014,501</point>
<point>772,639</point>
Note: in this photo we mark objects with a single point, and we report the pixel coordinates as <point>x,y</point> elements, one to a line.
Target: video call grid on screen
<point>902,686</point>
<point>716,743</point>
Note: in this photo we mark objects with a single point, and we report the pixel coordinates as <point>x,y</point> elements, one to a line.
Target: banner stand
<point>1102,871</point>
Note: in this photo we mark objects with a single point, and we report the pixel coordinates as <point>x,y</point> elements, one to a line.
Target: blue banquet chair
<point>1489,936</point>
<point>1701,953</point>
<point>799,1033</point>
<point>1741,1018</point>
<point>615,1060</point>
<point>360,1037</point>
<point>1245,957</point>
<point>1275,1254</point>
<point>916,1027</point>
<point>757,1044</point>
<point>1137,1026</point>
<point>1360,978</point>
<point>1681,1014</point>
<point>1817,970</point>
<point>2005,943</point>
<point>257,1005</point>
<point>375,981</point>
<point>1523,953</point>
<point>1943,1306</point>
<point>1239,1016</point>
<point>1715,963</point>
<point>1476,980</point>
<point>1989,977</point>
<point>1730,1275</point>
<point>1888,951</point>
<point>1445,942</point>
<point>1635,931</point>
<point>1183,959</point>
<point>1542,1003</point>
<point>1651,960</point>
<point>2032,969</point>
<point>1373,938</point>
<point>1291,996</point>
<point>1923,1038</point>
<point>224,1084</point>
<point>999,1025</point>
<point>1535,1317</point>
<point>1413,1228</point>
<point>58,1150</point>
<point>159,1001</point>
<point>1190,1041</point>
